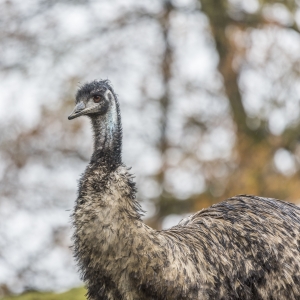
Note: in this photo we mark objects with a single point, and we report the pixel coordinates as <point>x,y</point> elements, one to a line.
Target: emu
<point>246,247</point>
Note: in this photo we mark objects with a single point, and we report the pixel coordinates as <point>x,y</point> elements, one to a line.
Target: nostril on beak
<point>80,106</point>
<point>78,111</point>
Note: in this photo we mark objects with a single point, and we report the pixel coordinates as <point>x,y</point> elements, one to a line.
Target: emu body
<point>246,247</point>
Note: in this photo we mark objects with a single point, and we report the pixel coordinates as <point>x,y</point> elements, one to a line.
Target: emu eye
<point>96,99</point>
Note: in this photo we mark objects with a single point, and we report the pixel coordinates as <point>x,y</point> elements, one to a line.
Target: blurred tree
<point>252,166</point>
<point>233,27</point>
<point>213,84</point>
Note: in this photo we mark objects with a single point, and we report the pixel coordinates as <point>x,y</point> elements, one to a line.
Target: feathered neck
<point>108,137</point>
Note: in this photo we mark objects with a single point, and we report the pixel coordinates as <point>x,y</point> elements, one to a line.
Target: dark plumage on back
<point>246,247</point>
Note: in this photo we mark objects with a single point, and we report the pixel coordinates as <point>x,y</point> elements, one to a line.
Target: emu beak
<point>78,111</point>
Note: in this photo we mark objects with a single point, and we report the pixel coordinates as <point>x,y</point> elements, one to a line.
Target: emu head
<point>95,99</point>
<point>98,101</point>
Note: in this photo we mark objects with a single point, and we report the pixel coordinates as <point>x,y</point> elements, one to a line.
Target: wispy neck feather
<point>108,137</point>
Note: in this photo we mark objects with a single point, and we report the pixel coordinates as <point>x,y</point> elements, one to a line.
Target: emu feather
<point>245,247</point>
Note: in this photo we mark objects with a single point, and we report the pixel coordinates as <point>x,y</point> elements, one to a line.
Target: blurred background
<point>210,99</point>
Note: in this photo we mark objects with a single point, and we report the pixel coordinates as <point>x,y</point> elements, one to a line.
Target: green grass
<point>74,294</point>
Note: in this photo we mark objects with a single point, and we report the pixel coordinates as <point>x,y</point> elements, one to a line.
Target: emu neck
<point>107,139</point>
